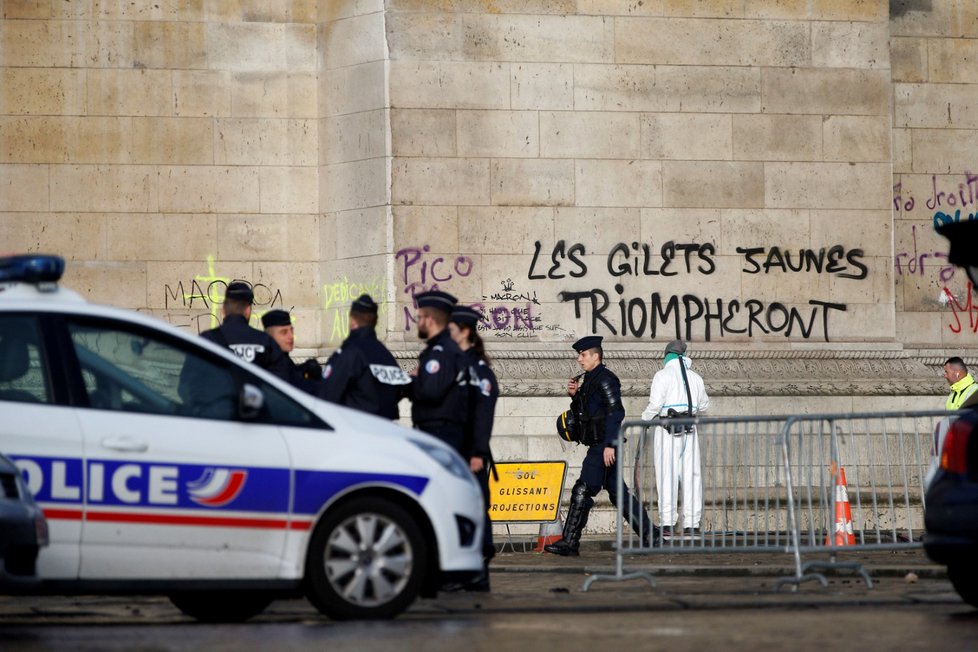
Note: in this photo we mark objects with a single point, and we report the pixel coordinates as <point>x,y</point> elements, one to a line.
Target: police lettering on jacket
<point>363,375</point>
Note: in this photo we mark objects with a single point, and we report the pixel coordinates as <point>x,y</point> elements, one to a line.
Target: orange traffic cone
<point>844,535</point>
<point>551,532</point>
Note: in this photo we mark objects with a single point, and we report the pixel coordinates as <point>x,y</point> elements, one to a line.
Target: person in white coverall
<point>677,455</point>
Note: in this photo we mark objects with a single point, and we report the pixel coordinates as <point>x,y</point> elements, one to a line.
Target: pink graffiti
<point>958,310</point>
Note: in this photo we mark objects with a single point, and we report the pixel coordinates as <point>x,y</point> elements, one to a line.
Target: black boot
<point>640,523</point>
<point>577,513</point>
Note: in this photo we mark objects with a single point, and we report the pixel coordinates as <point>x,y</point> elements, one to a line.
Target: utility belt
<point>591,429</point>
<point>676,429</point>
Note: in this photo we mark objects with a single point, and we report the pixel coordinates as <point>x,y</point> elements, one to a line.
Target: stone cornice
<point>734,373</point>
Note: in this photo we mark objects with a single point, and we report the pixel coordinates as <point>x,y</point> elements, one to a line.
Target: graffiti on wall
<point>337,297</point>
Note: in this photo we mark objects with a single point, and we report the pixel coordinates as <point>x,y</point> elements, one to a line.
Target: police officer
<point>307,376</point>
<point>248,343</point>
<point>439,388</point>
<point>598,411</point>
<point>362,373</point>
<point>483,393</point>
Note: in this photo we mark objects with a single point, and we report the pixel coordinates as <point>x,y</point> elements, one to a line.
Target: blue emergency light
<point>32,268</point>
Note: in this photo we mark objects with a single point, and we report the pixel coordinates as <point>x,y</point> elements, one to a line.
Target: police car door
<point>40,433</point>
<point>178,485</point>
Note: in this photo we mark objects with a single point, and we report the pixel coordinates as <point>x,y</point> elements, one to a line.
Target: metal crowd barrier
<point>775,484</point>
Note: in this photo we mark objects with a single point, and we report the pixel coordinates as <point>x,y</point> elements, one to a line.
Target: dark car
<point>951,515</point>
<point>23,529</point>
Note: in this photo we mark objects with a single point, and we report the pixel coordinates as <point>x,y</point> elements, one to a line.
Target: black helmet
<point>567,427</point>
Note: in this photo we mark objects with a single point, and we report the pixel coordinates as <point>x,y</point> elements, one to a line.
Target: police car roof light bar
<point>38,269</point>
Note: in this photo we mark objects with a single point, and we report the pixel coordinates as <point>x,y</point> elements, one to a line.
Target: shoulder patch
<point>432,367</point>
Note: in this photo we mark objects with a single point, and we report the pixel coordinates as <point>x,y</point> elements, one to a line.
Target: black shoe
<point>562,548</point>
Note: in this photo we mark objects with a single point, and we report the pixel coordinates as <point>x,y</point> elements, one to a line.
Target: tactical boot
<point>564,548</point>
<point>577,513</point>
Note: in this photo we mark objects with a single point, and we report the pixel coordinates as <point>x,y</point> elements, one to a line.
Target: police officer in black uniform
<point>307,376</point>
<point>248,343</point>
<point>598,412</point>
<point>362,373</point>
<point>483,393</point>
<point>439,389</point>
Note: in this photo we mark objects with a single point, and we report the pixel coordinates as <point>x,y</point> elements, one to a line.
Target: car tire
<point>366,561</point>
<point>221,606</point>
<point>964,577</point>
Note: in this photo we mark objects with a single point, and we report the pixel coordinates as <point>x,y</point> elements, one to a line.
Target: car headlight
<point>449,459</point>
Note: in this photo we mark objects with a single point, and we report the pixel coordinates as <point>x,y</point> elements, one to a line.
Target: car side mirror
<point>250,402</point>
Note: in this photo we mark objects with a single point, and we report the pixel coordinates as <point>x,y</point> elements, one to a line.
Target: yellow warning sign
<point>526,491</point>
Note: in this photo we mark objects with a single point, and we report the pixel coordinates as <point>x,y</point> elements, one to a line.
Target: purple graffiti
<point>914,262</point>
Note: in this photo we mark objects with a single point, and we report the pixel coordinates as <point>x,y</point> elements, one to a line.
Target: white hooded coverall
<point>676,456</point>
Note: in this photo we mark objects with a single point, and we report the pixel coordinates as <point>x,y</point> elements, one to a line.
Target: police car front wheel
<point>365,561</point>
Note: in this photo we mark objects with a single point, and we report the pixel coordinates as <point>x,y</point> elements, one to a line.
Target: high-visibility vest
<point>961,391</point>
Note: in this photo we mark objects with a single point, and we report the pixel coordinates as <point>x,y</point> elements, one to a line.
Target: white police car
<point>165,465</point>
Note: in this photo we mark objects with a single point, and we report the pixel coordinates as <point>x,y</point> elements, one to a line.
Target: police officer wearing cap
<point>307,376</point>
<point>248,343</point>
<point>483,393</point>
<point>439,388</point>
<point>362,374</point>
<point>598,413</point>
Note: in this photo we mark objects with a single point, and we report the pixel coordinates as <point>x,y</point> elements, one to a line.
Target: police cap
<point>466,316</point>
<point>276,318</point>
<point>676,346</point>
<point>589,342</point>
<point>240,291</point>
<point>436,299</point>
<point>364,303</point>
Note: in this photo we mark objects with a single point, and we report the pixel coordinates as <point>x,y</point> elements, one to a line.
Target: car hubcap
<point>368,559</point>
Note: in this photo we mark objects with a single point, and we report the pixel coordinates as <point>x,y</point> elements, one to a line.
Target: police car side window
<point>134,371</point>
<point>283,411</point>
<point>24,375</point>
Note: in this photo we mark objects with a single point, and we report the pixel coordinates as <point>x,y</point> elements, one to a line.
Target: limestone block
<point>502,37</point>
<point>863,322</point>
<point>908,59</point>
<point>902,150</point>
<point>620,8</point>
<point>952,61</point>
<point>417,227</point>
<point>838,44</point>
<point>789,229</point>
<point>355,40</point>
<point>590,134</point>
<point>362,232</point>
<point>431,36</point>
<point>723,89</point>
<point>827,185</point>
<point>130,92</point>
<point>273,95</point>
<point>26,9</point>
<point>820,91</point>
<point>530,182</point>
<point>74,236</point>
<point>353,137</point>
<point>501,230</point>
<point>943,151</point>
<point>289,189</point>
<point>45,91</point>
<point>240,141</point>
<point>936,106</point>
<point>65,139</point>
<point>355,88</point>
<point>423,132</point>
<point>542,86</point>
<point>712,184</point>
<point>169,45</point>
<point>99,282</point>
<point>173,141</point>
<point>942,19</point>
<point>701,42</point>
<point>878,283</point>
<point>856,138</point>
<point>209,189</point>
<point>440,181</point>
<point>66,44</point>
<point>328,11</point>
<point>449,85</point>
<point>247,47</point>
<point>152,236</point>
<point>342,281</point>
<point>25,188</point>
<point>269,237</point>
<point>598,229</point>
<point>201,93</point>
<point>195,289</point>
<point>356,184</point>
<point>308,328</point>
<point>793,288</point>
<point>498,133</point>
<point>682,225</point>
<point>298,282</point>
<point>855,10</point>
<point>104,188</point>
<point>687,136</point>
<point>617,183</point>
<point>868,230</point>
<point>775,137</point>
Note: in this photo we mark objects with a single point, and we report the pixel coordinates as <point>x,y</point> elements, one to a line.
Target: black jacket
<point>440,391</point>
<point>597,405</point>
<point>362,374</point>
<point>252,345</point>
<point>483,393</point>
